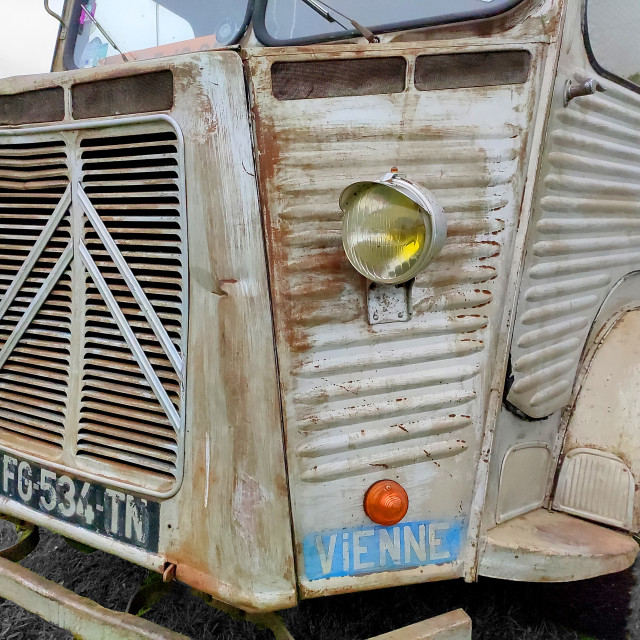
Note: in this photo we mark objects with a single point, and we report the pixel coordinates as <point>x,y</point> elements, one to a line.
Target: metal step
<point>548,546</point>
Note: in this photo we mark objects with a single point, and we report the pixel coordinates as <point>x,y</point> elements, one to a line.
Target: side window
<point>613,39</point>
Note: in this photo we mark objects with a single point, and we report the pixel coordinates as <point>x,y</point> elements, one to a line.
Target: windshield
<point>139,25</point>
<point>295,22</point>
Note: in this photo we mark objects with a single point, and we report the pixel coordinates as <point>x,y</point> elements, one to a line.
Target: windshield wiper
<point>104,33</point>
<point>319,7</point>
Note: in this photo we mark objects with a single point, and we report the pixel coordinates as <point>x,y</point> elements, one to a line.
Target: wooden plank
<point>455,625</point>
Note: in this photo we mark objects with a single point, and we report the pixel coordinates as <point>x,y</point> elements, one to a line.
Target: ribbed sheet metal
<point>584,237</point>
<point>597,486</point>
<point>401,400</point>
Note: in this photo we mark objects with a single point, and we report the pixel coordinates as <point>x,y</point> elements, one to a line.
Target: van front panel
<point>402,401</point>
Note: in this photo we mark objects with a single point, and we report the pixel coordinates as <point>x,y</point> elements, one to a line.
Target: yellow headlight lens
<point>385,234</point>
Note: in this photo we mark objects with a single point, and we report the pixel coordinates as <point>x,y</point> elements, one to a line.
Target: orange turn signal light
<point>386,502</point>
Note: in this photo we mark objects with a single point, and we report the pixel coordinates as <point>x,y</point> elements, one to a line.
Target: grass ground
<point>600,609</point>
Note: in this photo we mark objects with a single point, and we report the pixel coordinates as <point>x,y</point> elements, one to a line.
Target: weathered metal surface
<point>604,490</point>
<point>402,400</point>
<point>83,617</point>
<point>502,428</point>
<point>233,536</point>
<point>523,479</point>
<point>597,486</point>
<point>586,87</point>
<point>455,625</point>
<point>546,546</point>
<point>227,530</point>
<point>388,303</point>
<point>584,234</point>
<point>361,403</point>
<point>581,251</point>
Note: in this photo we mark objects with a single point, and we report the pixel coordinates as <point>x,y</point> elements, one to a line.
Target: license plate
<point>107,511</point>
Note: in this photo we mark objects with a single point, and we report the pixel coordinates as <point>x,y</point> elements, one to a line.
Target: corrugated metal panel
<point>405,401</point>
<point>586,236</point>
<point>597,486</point>
<point>93,281</point>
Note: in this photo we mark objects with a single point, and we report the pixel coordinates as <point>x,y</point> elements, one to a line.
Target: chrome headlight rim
<point>431,209</point>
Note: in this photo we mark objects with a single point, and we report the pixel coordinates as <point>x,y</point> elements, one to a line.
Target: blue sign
<point>347,552</point>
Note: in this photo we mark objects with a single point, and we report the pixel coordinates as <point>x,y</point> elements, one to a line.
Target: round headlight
<point>391,228</point>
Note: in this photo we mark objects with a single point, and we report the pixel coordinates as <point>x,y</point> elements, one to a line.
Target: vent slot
<point>133,184</point>
<point>30,107</point>
<point>467,70</point>
<point>142,93</point>
<point>34,378</point>
<point>338,78</point>
<point>121,419</point>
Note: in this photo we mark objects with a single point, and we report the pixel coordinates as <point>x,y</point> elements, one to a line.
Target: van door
<point>583,246</point>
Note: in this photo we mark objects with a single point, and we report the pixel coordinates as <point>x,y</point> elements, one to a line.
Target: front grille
<point>115,312</point>
<point>34,377</point>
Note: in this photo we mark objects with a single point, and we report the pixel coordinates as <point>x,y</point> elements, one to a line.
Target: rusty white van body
<point>194,377</point>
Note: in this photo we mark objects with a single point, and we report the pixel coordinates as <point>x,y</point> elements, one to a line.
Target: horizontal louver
<point>35,373</point>
<point>133,184</point>
<point>92,281</point>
